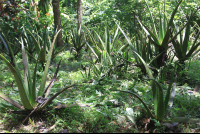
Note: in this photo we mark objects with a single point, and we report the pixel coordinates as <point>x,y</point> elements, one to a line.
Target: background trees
<point>57,21</point>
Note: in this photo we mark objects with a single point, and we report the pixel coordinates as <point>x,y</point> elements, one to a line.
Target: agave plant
<point>41,44</point>
<point>161,39</point>
<point>78,41</point>
<point>106,50</point>
<point>143,47</point>
<point>31,98</point>
<point>160,103</point>
<point>181,44</point>
<point>185,47</point>
<point>145,50</point>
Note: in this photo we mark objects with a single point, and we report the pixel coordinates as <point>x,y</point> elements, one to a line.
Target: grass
<point>104,111</point>
<point>193,71</point>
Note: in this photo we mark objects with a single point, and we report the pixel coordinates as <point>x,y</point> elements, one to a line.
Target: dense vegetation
<point>99,66</point>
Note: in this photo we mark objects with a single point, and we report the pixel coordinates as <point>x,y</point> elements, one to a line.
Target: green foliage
<point>108,72</point>
<point>185,103</point>
<point>44,5</point>
<point>27,88</point>
<point>182,43</point>
<point>106,50</point>
<point>191,70</point>
<point>10,23</point>
<point>78,40</point>
<point>41,44</point>
<point>160,104</point>
<point>160,39</point>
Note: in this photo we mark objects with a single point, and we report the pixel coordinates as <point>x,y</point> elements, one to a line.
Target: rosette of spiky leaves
<point>27,87</point>
<point>42,44</point>
<point>144,48</point>
<point>105,48</point>
<point>160,39</point>
<point>185,46</point>
<point>160,104</point>
<point>78,40</point>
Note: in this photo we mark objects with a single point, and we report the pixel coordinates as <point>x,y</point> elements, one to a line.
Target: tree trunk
<point>57,22</point>
<point>79,14</point>
<point>79,18</point>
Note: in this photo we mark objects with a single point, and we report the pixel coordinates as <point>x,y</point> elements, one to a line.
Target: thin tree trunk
<point>79,14</point>
<point>79,18</point>
<point>57,22</point>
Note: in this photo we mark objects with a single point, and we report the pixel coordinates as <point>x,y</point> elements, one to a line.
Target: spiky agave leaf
<point>11,101</point>
<point>20,84</point>
<point>43,82</point>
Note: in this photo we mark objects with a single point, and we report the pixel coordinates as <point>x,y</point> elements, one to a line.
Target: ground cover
<point>97,109</point>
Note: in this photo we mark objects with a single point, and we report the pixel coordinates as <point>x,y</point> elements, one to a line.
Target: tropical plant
<point>31,99</point>
<point>106,50</point>
<point>42,45</point>
<point>28,43</point>
<point>161,39</point>
<point>78,38</point>
<point>145,50</point>
<point>86,74</point>
<point>185,47</point>
<point>160,104</point>
<point>182,48</point>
